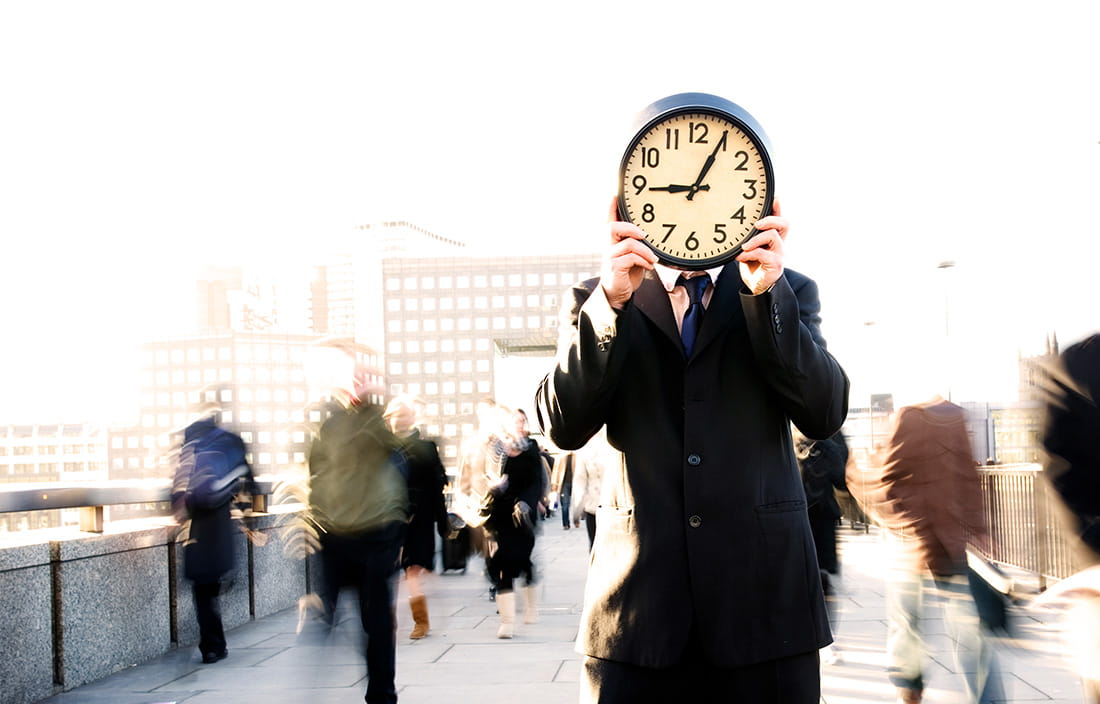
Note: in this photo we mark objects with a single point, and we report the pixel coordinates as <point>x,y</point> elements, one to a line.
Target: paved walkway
<point>463,662</point>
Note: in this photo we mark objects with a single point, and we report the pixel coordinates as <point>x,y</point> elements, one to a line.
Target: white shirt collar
<point>668,275</point>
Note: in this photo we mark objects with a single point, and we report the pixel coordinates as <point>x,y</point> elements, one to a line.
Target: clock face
<point>696,181</point>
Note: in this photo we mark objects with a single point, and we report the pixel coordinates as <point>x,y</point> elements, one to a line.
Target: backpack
<point>218,466</point>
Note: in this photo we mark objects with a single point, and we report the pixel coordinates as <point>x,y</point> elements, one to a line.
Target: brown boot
<point>908,696</point>
<point>419,607</point>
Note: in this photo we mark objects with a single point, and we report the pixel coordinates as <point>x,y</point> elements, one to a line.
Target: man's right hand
<point>625,262</point>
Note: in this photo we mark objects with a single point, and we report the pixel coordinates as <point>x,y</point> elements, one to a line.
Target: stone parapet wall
<point>80,606</point>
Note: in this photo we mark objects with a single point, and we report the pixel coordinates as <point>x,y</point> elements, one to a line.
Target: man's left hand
<point>761,258</point>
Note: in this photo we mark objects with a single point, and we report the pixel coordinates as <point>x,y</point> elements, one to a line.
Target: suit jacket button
<point>779,328</point>
<point>695,521</point>
<point>694,460</point>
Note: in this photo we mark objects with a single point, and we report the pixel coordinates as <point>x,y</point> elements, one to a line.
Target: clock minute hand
<point>677,188</point>
<point>695,187</point>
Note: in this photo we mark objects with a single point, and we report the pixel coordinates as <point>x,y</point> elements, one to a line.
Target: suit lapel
<point>651,299</point>
<point>724,309</point>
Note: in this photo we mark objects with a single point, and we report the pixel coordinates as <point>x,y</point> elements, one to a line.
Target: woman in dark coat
<point>209,551</point>
<point>427,508</point>
<point>512,523</point>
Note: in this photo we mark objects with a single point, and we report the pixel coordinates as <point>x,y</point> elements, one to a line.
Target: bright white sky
<point>142,139</point>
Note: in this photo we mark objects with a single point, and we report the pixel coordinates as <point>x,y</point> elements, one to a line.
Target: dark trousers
<point>368,563</point>
<point>590,524</point>
<point>791,680</point>
<point>563,500</point>
<point>211,635</point>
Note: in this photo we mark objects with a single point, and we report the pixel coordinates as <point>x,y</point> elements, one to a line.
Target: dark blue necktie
<point>693,317</point>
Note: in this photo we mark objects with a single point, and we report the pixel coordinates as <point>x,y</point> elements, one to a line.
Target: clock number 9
<point>639,184</point>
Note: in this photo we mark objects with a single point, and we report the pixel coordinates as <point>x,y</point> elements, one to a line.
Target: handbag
<point>990,588</point>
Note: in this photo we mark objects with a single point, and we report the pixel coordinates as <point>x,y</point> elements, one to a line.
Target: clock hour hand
<point>677,188</point>
<point>706,166</point>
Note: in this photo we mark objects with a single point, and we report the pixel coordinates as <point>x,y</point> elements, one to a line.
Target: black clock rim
<point>719,107</point>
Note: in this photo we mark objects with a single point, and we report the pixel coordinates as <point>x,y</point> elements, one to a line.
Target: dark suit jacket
<point>1071,438</point>
<point>702,529</point>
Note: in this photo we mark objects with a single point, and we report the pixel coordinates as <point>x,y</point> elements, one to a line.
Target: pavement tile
<point>462,661</point>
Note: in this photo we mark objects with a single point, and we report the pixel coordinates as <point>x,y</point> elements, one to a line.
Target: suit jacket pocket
<point>782,506</point>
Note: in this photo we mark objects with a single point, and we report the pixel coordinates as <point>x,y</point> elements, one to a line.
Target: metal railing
<point>1025,529</point>
<point>92,497</point>
<point>1024,525</point>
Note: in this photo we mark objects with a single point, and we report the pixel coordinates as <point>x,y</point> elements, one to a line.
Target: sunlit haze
<point>144,140</point>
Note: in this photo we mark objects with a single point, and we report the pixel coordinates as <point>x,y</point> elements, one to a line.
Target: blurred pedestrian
<point>591,460</point>
<point>822,464</point>
<point>1071,439</point>
<point>546,461</point>
<point>479,469</point>
<point>512,522</point>
<point>212,472</point>
<point>427,506</point>
<point>359,500</point>
<point>929,500</point>
<point>561,481</point>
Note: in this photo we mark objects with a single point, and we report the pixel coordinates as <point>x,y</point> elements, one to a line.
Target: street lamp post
<point>945,266</point>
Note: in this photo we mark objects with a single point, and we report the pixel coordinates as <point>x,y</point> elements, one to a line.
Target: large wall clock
<point>696,178</point>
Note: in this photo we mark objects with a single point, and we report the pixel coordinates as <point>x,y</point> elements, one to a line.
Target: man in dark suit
<point>703,576</point>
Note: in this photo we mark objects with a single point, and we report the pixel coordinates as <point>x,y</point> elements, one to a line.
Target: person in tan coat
<point>929,499</point>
